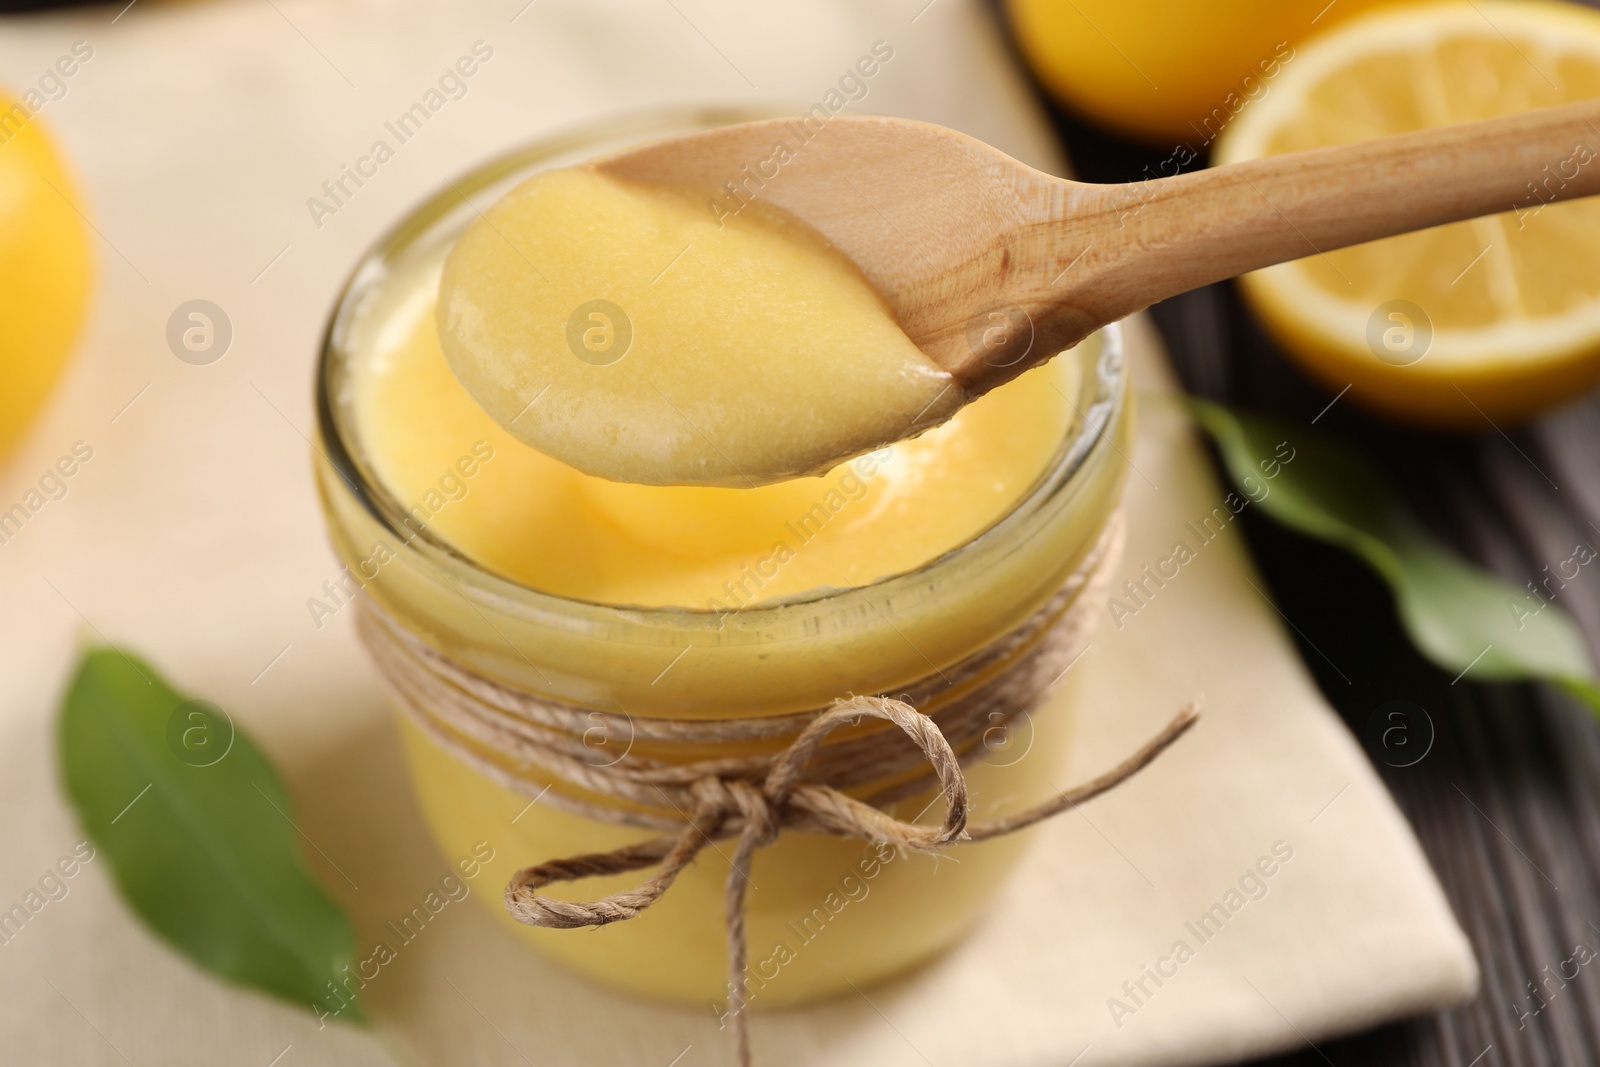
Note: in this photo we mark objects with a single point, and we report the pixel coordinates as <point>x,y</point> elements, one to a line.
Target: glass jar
<point>823,912</point>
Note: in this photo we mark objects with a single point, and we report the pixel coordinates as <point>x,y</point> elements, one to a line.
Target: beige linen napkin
<point>198,132</point>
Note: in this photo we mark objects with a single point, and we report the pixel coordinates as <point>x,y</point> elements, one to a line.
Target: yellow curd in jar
<point>550,527</point>
<point>712,602</point>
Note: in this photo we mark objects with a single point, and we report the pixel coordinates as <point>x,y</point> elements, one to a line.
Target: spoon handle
<point>1146,241</point>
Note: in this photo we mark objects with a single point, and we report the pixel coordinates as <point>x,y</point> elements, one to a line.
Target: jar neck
<point>765,659</point>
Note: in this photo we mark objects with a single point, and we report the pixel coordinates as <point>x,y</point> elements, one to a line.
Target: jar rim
<point>1089,438</point>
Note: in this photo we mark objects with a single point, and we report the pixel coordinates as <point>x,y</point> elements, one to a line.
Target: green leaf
<point>1462,618</point>
<point>196,826</point>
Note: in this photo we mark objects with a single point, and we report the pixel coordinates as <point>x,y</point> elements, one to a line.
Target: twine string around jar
<point>811,784</point>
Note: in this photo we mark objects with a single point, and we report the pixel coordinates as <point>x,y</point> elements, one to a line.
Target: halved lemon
<point>1491,320</point>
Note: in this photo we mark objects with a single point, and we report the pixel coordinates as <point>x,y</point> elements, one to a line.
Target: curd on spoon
<point>623,329</point>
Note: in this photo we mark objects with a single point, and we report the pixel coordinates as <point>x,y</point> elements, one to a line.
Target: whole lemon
<point>1163,70</point>
<point>44,268</point>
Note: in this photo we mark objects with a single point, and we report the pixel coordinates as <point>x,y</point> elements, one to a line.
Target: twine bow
<point>807,786</point>
<point>757,812</point>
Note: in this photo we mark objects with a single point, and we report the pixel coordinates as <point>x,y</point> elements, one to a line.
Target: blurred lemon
<point>1496,317</point>
<point>1165,70</point>
<point>44,269</point>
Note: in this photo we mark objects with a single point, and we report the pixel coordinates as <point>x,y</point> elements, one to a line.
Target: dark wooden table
<point>1507,802</point>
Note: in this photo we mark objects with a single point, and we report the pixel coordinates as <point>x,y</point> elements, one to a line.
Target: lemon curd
<point>708,602</point>
<point>550,527</point>
<point>628,331</point>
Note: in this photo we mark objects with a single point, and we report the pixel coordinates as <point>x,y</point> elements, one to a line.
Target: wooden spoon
<point>961,238</point>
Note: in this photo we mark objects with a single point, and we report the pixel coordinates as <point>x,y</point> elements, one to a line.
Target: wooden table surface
<point>1507,801</point>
